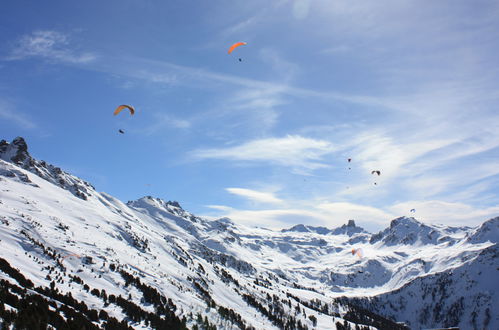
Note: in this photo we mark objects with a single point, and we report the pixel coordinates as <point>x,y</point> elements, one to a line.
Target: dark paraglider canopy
<point>376,172</point>
<point>413,210</point>
<point>121,131</point>
<point>349,160</point>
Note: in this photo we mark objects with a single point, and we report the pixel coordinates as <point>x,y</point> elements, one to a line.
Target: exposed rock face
<point>405,231</point>
<point>349,229</point>
<point>17,153</point>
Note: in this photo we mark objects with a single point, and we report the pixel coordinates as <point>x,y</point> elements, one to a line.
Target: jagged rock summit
<point>17,153</point>
<point>348,229</point>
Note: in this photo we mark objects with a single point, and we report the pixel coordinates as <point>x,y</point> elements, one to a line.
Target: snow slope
<point>300,272</point>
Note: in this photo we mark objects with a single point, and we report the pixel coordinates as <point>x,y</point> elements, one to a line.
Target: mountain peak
<point>301,228</point>
<point>407,231</point>
<point>404,221</point>
<point>15,152</point>
<point>348,229</point>
<point>488,231</point>
<point>155,202</point>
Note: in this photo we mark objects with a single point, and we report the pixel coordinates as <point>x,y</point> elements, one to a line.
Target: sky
<point>263,135</point>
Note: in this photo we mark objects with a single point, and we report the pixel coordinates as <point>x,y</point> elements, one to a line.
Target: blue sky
<point>409,88</point>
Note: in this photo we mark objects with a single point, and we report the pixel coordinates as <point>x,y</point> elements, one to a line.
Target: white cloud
<point>258,104</point>
<point>253,195</point>
<point>343,211</point>
<point>271,218</point>
<point>447,213</point>
<point>292,151</point>
<point>48,44</point>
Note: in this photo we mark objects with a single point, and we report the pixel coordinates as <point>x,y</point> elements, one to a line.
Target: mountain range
<point>73,257</point>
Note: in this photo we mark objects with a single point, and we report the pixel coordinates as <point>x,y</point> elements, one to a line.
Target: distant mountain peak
<point>488,231</point>
<point>156,202</point>
<point>404,221</point>
<point>297,228</point>
<point>301,228</point>
<point>407,231</point>
<point>348,229</point>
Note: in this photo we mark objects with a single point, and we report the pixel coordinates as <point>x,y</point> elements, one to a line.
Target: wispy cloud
<point>48,44</point>
<point>290,151</point>
<point>162,121</point>
<point>270,218</point>
<point>253,195</point>
<point>342,211</point>
<point>7,112</point>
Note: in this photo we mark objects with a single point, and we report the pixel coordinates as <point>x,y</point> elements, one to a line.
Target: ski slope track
<point>65,237</point>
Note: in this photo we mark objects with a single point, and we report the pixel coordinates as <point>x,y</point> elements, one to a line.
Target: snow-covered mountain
<point>151,264</point>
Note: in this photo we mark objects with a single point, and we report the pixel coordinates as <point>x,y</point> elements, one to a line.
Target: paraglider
<point>413,210</point>
<point>376,172</point>
<point>349,160</point>
<point>124,106</point>
<point>121,131</point>
<point>358,252</point>
<point>71,255</point>
<point>234,46</point>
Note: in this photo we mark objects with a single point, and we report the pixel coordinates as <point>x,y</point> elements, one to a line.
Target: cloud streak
<point>290,151</point>
<point>51,45</point>
<point>8,113</point>
<point>256,196</point>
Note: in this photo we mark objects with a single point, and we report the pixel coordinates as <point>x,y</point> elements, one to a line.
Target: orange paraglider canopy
<point>358,252</point>
<point>234,46</point>
<point>124,106</point>
<point>71,255</point>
